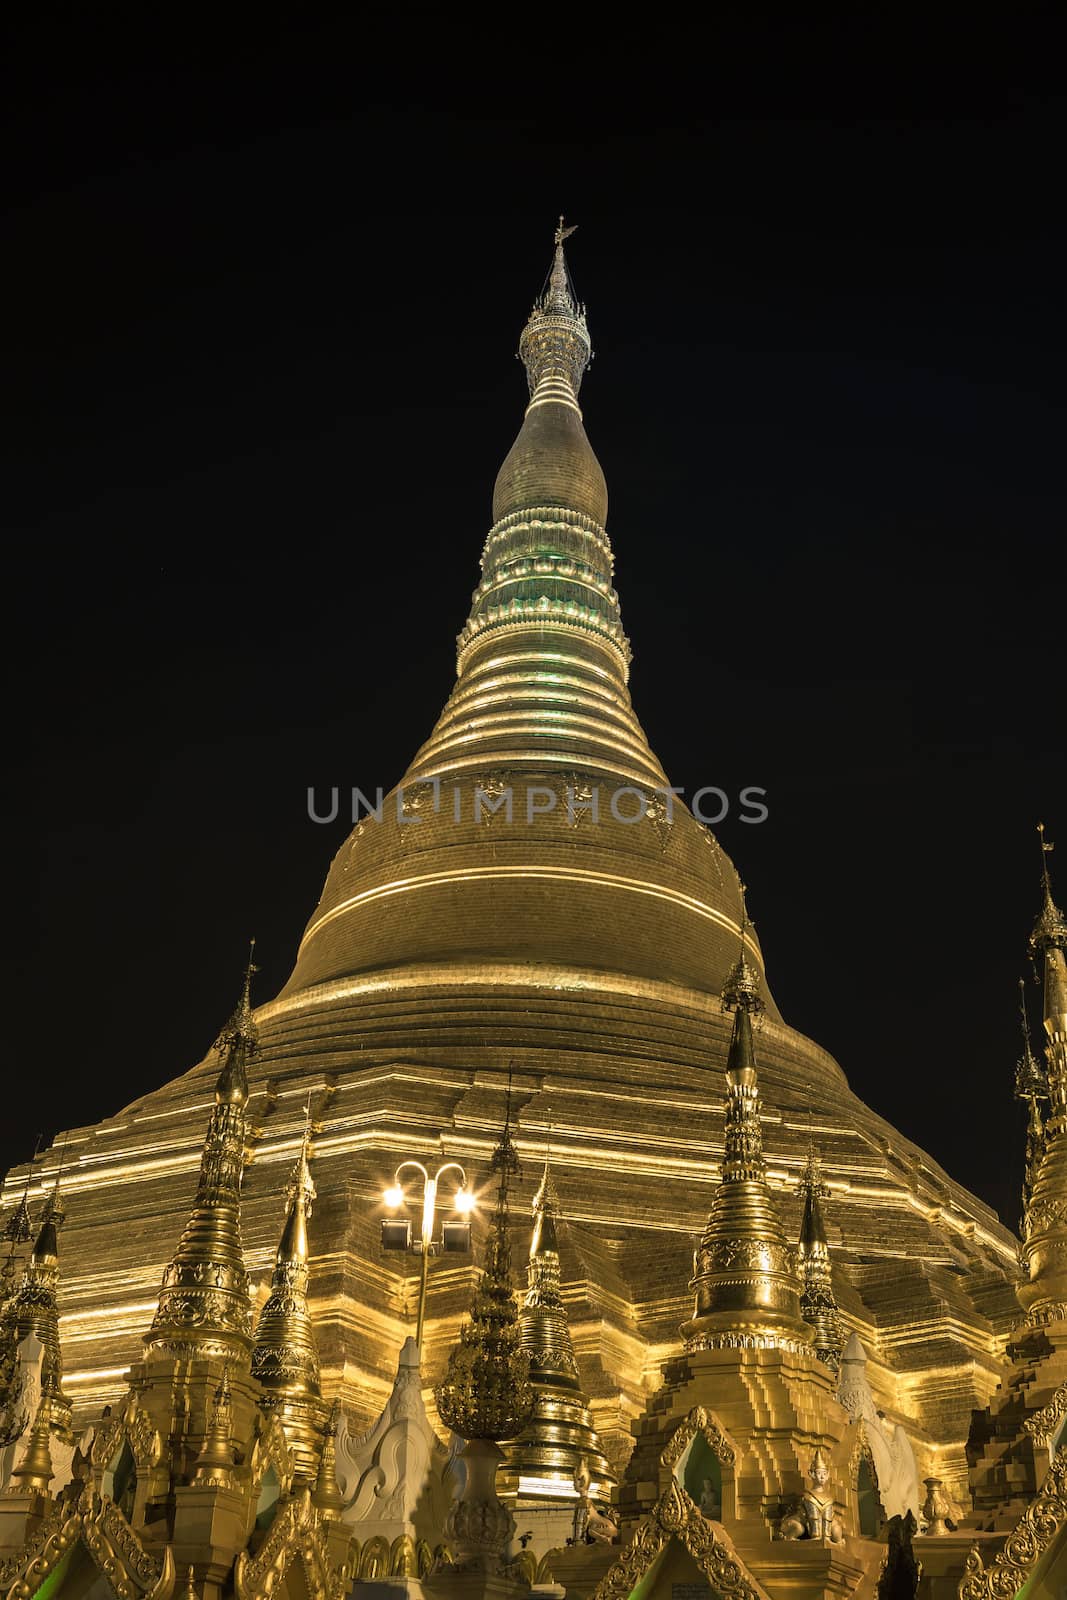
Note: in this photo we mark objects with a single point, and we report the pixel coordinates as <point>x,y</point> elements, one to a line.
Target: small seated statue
<point>710,1502</point>
<point>816,1516</point>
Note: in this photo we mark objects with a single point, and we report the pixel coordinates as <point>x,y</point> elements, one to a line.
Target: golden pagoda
<point>560,1437</point>
<point>533,891</point>
<point>285,1360</point>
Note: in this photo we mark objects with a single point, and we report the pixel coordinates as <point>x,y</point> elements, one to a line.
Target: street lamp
<point>455,1231</point>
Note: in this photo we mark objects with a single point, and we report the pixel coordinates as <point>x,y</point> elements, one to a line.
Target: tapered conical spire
<point>818,1305</point>
<point>560,1433</point>
<point>34,1307</point>
<point>543,659</point>
<point>35,1470</point>
<point>285,1360</point>
<point>18,1228</point>
<point>327,1496</point>
<point>1044,1292</point>
<point>1031,1086</point>
<point>204,1297</point>
<point>214,1464</point>
<point>744,1276</point>
<point>486,1393</point>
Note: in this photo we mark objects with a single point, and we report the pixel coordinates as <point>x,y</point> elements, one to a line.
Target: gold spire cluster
<point>205,1288</point>
<point>560,1432</point>
<point>34,1308</point>
<point>285,1359</point>
<point>818,1305</point>
<point>744,1276</point>
<point>486,1393</point>
<point>1045,1220</point>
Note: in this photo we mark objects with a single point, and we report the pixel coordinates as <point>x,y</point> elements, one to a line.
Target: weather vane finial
<point>564,233</point>
<point>1047,848</point>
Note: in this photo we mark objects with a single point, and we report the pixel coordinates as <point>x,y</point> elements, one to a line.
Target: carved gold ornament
<point>131,1571</point>
<point>1025,1544</point>
<point>675,1515</point>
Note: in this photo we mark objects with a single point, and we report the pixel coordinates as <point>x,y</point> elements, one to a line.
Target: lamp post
<point>455,1234</point>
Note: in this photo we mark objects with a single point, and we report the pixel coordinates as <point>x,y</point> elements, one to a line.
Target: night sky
<point>263,297</point>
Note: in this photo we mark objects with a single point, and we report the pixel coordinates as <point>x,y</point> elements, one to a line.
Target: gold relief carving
<point>115,1548</point>
<point>135,1426</point>
<point>403,1562</point>
<point>297,1530</point>
<point>190,1308</point>
<point>1043,1423</point>
<point>1025,1544</point>
<point>659,815</point>
<point>374,1559</point>
<point>677,1516</point>
<point>12,1565</point>
<point>1040,1316</point>
<point>271,1449</point>
<point>861,1451</point>
<point>753,1253</point>
<point>696,1422</point>
<point>747,1341</point>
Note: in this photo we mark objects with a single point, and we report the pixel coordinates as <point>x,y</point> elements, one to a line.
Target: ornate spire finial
<point>214,1464</point>
<point>34,1307</point>
<point>741,991</point>
<point>1044,1223</point>
<point>18,1227</point>
<point>486,1392</point>
<point>204,1295</point>
<point>560,1431</point>
<point>1050,929</point>
<point>238,1041</point>
<point>285,1358</point>
<point>743,1271</point>
<point>1030,1080</point>
<point>35,1471</point>
<point>818,1305</point>
<point>327,1495</point>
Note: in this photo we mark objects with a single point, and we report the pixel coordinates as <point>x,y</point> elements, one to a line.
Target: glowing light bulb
<point>464,1202</point>
<point>394,1197</point>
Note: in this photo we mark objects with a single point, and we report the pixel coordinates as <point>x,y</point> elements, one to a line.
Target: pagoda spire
<point>285,1359</point>
<point>486,1394</point>
<point>744,1277</point>
<point>1044,1252</point>
<point>34,1307</point>
<point>35,1470</point>
<point>543,660</point>
<point>327,1495</point>
<point>560,1433</point>
<point>204,1297</point>
<point>1031,1086</point>
<point>818,1305</point>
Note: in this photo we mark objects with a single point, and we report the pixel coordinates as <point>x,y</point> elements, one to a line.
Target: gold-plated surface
<point>818,1305</point>
<point>1044,1249</point>
<point>1041,1523</point>
<point>551,463</point>
<point>589,951</point>
<point>560,1436</point>
<point>35,1307</point>
<point>285,1359</point>
<point>205,1287</point>
<point>327,1496</point>
<point>677,1516</point>
<point>744,1272</point>
<point>35,1470</point>
<point>486,1392</point>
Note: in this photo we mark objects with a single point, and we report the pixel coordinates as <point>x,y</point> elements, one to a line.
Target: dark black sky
<point>263,294</point>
